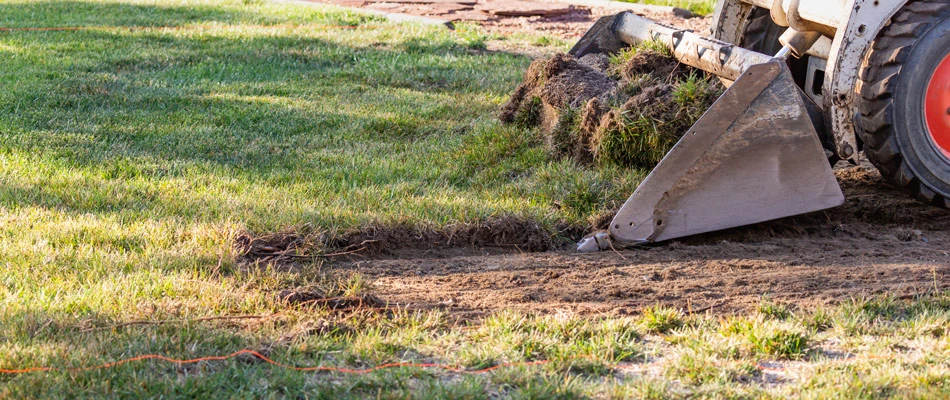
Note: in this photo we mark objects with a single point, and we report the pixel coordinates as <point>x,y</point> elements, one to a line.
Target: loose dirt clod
<point>550,86</point>
<point>627,110</point>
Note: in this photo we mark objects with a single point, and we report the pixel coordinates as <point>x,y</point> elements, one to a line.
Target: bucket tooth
<point>753,156</point>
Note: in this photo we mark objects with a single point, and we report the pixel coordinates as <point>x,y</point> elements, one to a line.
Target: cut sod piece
<point>628,109</point>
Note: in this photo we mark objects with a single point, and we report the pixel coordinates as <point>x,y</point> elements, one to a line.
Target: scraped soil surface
<point>880,241</point>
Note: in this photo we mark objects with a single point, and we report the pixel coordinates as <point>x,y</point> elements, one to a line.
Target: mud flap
<point>753,156</point>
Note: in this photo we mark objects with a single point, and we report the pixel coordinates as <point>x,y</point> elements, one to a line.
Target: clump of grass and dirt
<point>626,109</point>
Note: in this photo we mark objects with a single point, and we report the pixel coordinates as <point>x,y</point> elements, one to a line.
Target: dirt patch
<point>627,111</point>
<point>879,242</point>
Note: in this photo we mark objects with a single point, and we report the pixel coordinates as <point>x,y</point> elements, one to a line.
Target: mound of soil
<point>628,113</point>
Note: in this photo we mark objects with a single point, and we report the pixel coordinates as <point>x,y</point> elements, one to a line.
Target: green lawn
<point>130,159</point>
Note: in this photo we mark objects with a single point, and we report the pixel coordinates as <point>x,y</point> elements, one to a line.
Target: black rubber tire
<point>761,34</point>
<point>891,87</point>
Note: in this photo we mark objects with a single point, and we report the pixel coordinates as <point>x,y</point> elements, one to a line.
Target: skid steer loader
<point>808,81</point>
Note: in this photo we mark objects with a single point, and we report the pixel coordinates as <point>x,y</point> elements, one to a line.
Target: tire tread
<point>876,83</point>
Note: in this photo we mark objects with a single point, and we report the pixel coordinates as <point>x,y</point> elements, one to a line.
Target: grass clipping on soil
<point>627,109</point>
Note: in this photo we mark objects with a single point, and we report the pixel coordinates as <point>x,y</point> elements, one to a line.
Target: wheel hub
<point>937,107</point>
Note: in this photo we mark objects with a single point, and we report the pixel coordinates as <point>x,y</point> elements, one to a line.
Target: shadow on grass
<point>35,14</point>
<point>254,111</point>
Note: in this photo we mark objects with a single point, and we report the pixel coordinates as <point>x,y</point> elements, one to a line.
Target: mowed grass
<point>131,158</point>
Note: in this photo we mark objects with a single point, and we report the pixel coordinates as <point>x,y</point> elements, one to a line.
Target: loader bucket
<point>753,156</point>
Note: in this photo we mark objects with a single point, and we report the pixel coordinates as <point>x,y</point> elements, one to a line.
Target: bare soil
<point>880,241</point>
